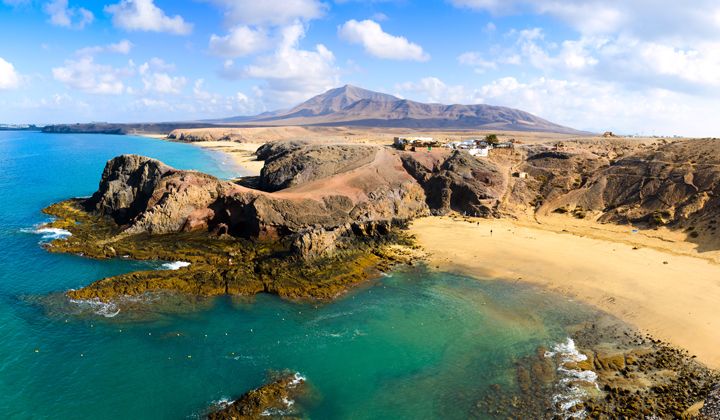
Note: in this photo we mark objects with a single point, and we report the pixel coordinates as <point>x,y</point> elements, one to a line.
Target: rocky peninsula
<point>323,217</point>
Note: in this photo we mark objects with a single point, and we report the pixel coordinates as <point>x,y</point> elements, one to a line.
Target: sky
<point>648,67</point>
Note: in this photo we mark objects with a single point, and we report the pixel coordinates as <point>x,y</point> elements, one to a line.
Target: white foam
<point>49,233</point>
<point>223,402</point>
<point>106,309</point>
<point>297,380</point>
<point>573,382</point>
<point>175,265</point>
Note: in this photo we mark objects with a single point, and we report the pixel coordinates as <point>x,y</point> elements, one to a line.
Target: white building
<point>479,151</point>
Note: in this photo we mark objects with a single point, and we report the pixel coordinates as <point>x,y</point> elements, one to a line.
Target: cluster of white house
<point>478,147</point>
<point>475,147</point>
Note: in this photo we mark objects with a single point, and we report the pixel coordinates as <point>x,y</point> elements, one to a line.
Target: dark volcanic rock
<point>711,407</point>
<point>461,183</point>
<point>293,166</point>
<point>145,196</point>
<point>276,149</point>
<point>126,186</point>
<point>272,400</point>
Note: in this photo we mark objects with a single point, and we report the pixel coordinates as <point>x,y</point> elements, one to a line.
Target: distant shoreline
<point>671,295</point>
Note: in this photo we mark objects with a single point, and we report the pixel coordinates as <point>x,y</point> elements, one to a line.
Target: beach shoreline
<point>639,279</point>
<point>242,154</point>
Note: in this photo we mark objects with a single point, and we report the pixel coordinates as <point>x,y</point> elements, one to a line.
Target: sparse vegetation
<point>492,139</point>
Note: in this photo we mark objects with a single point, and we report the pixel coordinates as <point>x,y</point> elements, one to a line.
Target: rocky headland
<point>321,218</point>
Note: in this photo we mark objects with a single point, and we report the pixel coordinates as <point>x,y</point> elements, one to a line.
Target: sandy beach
<point>662,287</point>
<point>242,154</point>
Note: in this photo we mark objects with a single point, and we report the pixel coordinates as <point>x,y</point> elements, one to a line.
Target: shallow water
<point>416,344</point>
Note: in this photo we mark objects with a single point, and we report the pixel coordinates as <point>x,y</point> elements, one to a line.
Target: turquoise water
<point>415,344</point>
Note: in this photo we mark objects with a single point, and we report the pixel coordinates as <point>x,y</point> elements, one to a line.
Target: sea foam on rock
<point>574,383</point>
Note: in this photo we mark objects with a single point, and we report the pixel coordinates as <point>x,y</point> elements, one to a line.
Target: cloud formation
<point>9,78</point>
<point>240,41</point>
<point>144,15</point>
<point>292,74</point>
<point>69,17</point>
<point>379,43</point>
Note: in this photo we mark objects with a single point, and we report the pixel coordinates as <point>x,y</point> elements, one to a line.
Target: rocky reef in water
<point>607,370</point>
<point>275,399</point>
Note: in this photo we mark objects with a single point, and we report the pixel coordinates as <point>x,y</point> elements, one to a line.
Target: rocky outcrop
<point>126,186</point>
<point>276,149</point>
<point>676,184</point>
<point>461,183</point>
<point>272,400</point>
<point>292,166</point>
<point>145,196</point>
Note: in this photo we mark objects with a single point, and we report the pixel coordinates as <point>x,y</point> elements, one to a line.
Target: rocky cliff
<point>676,184</point>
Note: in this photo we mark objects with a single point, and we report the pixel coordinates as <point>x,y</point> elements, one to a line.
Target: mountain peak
<point>353,105</point>
<point>337,99</point>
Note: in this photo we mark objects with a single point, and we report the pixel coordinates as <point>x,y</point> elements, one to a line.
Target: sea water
<point>414,344</point>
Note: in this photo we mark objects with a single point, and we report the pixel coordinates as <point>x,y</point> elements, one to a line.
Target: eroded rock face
<point>145,196</point>
<point>673,184</point>
<point>290,165</point>
<point>126,186</point>
<point>461,183</point>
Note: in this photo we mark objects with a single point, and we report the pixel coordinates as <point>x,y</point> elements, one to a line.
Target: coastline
<point>671,295</point>
<point>241,154</point>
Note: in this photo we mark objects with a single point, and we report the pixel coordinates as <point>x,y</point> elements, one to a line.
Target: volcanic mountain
<point>351,105</point>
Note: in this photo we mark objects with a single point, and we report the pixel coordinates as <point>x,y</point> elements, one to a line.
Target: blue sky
<point>636,67</point>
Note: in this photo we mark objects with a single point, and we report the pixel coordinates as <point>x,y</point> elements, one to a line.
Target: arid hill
<point>348,106</point>
<point>354,106</point>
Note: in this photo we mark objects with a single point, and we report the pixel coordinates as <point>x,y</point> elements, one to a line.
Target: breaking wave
<point>573,386</point>
<point>175,265</point>
<point>98,307</point>
<point>49,233</point>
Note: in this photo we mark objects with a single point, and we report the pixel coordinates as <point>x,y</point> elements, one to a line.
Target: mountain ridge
<point>355,106</point>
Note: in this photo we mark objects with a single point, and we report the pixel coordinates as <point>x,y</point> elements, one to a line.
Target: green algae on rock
<point>237,240</point>
<point>609,370</point>
<point>219,264</point>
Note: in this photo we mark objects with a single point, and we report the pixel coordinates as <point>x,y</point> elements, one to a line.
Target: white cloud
<point>155,77</point>
<point>583,104</point>
<point>476,60</point>
<point>643,19</point>
<point>70,17</point>
<point>86,75</point>
<point>380,44</point>
<point>9,77</point>
<point>143,15</point>
<point>270,12</point>
<point>432,89</point>
<point>121,47</point>
<point>163,83</point>
<point>240,41</point>
<point>291,74</point>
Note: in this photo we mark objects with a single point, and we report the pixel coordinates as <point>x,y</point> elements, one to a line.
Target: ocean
<point>412,344</point>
